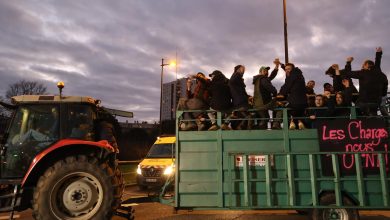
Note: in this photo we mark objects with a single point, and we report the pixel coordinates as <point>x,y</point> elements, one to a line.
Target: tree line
<point>22,87</point>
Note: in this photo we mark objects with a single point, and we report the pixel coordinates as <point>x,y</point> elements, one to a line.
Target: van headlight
<point>139,170</point>
<point>169,170</point>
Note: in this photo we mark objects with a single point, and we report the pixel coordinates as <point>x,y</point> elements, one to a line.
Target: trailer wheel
<point>77,188</point>
<point>329,199</point>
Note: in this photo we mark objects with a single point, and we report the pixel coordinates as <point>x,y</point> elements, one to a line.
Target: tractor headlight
<point>169,170</point>
<point>139,170</point>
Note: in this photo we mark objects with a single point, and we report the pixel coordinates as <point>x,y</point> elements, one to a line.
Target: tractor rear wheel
<point>77,188</point>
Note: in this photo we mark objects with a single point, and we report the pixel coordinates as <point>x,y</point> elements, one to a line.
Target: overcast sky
<point>112,50</point>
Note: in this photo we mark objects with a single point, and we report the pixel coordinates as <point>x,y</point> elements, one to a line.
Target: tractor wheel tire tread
<point>112,187</point>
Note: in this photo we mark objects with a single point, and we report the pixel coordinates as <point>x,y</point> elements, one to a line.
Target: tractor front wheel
<point>77,188</point>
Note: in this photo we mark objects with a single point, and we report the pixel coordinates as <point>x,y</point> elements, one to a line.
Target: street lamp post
<point>161,90</point>
<point>285,32</point>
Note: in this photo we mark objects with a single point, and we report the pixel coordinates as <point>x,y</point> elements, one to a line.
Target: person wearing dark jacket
<point>372,86</point>
<point>220,98</point>
<point>310,94</point>
<point>318,114</point>
<point>339,81</point>
<point>239,95</point>
<point>341,103</point>
<point>378,58</point>
<point>347,90</point>
<point>337,85</point>
<point>263,93</point>
<point>294,90</point>
<point>237,88</point>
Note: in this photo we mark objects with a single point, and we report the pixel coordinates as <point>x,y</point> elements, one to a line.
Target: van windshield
<point>161,151</point>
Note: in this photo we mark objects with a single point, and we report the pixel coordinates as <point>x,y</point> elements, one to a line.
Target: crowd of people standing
<point>243,111</point>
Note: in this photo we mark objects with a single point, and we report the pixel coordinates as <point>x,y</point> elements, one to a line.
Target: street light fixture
<point>161,86</point>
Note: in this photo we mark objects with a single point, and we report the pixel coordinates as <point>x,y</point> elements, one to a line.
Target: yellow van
<point>158,164</point>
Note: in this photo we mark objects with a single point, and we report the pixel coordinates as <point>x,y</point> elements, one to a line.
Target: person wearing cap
<point>220,98</point>
<point>240,97</point>
<point>263,93</point>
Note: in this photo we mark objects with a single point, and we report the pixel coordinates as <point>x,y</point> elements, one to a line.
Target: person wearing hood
<point>294,91</point>
<point>220,98</point>
<point>263,93</point>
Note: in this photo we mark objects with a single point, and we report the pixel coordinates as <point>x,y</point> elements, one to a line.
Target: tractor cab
<point>58,157</point>
<point>40,121</point>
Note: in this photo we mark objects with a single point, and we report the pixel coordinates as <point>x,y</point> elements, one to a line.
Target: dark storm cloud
<point>112,49</point>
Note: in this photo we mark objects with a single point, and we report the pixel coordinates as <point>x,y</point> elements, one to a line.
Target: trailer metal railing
<point>336,183</point>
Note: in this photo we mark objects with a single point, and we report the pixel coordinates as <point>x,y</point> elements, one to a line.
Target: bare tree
<point>24,87</point>
<point>4,113</point>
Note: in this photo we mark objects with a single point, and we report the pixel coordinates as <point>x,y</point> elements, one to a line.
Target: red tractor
<point>58,157</point>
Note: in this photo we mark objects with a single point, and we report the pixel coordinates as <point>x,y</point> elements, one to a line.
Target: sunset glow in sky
<point>112,50</point>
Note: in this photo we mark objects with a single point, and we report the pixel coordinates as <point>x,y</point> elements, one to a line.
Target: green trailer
<point>284,169</point>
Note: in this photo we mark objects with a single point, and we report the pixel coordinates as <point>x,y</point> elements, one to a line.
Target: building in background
<point>171,94</point>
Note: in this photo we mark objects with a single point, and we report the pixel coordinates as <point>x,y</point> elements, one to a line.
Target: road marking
<point>129,204</point>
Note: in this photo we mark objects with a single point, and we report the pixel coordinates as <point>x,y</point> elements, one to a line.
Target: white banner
<point>253,160</point>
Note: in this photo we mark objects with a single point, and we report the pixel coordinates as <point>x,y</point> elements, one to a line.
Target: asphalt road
<point>146,211</point>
